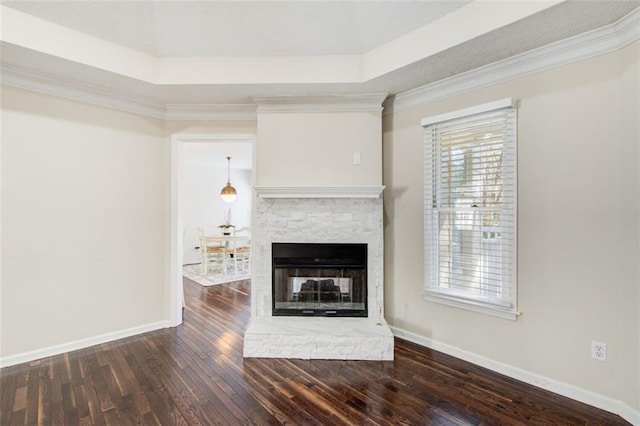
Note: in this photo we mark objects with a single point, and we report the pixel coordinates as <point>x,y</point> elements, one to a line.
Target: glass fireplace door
<point>321,281</point>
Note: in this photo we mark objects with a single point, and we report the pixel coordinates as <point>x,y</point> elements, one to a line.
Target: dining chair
<point>241,250</point>
<point>213,254</point>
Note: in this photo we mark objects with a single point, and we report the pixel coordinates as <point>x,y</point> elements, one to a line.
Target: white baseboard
<point>629,414</point>
<point>555,386</point>
<point>80,344</point>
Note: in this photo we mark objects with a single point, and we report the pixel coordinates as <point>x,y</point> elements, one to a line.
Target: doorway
<point>199,161</point>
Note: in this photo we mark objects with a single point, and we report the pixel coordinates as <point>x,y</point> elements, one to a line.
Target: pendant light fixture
<point>228,193</point>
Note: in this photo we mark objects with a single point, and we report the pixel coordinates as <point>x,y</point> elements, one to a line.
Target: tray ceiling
<point>229,52</point>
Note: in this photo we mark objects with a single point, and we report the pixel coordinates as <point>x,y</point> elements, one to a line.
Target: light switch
<point>357,158</point>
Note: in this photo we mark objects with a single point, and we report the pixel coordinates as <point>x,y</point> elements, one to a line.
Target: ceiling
<point>215,153</point>
<point>230,52</point>
<point>242,28</point>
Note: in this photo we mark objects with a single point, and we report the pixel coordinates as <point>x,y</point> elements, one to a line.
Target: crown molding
<point>40,82</point>
<point>593,43</point>
<point>318,191</point>
<point>233,112</point>
<point>583,46</point>
<point>371,102</point>
<point>36,81</point>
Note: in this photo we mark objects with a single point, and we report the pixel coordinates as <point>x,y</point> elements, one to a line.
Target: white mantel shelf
<point>319,191</point>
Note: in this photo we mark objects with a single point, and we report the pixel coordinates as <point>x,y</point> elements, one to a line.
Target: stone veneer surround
<point>317,220</point>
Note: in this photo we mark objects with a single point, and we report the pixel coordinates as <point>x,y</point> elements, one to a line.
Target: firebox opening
<point>319,279</point>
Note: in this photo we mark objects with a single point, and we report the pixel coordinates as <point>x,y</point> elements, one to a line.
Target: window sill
<point>473,306</point>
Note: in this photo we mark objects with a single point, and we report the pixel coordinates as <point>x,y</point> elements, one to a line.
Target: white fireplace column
<point>317,215</point>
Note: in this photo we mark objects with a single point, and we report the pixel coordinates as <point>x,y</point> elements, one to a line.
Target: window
<point>470,208</point>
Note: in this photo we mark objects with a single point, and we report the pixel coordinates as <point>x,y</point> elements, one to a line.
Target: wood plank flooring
<point>195,374</point>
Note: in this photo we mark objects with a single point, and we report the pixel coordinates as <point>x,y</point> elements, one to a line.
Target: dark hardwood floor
<point>195,374</point>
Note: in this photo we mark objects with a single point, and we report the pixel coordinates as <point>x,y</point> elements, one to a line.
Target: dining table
<point>228,242</point>
<point>225,239</point>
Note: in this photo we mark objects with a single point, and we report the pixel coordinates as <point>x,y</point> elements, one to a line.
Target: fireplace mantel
<point>319,191</point>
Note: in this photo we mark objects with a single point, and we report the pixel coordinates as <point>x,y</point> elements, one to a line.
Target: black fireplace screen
<point>319,279</point>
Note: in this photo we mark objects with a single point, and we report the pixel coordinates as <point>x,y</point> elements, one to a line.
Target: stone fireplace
<point>330,147</point>
<point>345,322</point>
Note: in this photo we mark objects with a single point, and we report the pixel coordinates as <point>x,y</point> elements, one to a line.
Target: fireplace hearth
<point>319,279</point>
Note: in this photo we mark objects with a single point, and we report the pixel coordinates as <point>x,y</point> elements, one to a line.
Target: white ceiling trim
<point>232,112</point>
<point>42,83</point>
<point>328,103</point>
<point>34,81</point>
<point>583,46</point>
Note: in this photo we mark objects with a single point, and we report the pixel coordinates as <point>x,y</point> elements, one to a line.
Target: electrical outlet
<point>357,158</point>
<point>599,351</point>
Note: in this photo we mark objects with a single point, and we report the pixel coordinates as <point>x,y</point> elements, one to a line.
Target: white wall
<point>83,222</point>
<point>201,203</point>
<point>578,224</point>
<point>306,149</point>
<point>630,65</point>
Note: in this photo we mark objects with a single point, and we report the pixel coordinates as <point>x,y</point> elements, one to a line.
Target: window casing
<point>470,208</point>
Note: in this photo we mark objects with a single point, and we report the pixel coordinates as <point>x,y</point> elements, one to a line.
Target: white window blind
<point>470,209</point>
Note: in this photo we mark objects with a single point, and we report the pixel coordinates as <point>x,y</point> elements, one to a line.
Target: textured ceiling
<point>262,28</point>
<point>242,28</point>
<point>551,25</point>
